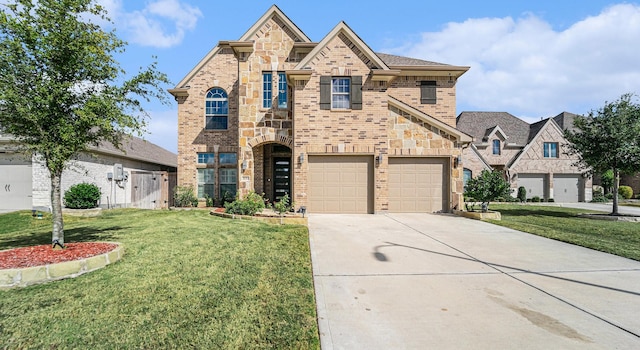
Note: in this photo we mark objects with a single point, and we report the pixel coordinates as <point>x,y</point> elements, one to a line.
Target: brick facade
<point>404,128</point>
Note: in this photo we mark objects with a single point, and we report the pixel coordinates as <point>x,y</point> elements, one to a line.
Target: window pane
<point>228,176</point>
<point>228,158</point>
<point>216,123</point>
<point>282,90</point>
<point>554,150</point>
<point>546,150</point>
<point>207,189</point>
<point>206,158</point>
<point>496,146</point>
<point>228,190</point>
<point>267,90</point>
<point>340,101</point>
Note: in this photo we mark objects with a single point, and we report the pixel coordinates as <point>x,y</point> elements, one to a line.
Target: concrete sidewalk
<point>421,281</point>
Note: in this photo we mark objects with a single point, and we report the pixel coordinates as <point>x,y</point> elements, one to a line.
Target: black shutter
<point>428,92</point>
<point>356,92</point>
<point>325,92</point>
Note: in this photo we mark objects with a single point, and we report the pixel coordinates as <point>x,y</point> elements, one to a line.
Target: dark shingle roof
<point>565,120</point>
<point>393,60</point>
<point>142,150</point>
<point>534,129</point>
<point>477,124</point>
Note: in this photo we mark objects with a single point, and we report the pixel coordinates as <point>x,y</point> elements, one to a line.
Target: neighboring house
<point>530,155</point>
<point>147,170</point>
<point>338,127</point>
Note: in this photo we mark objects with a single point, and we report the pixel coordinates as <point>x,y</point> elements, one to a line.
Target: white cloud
<point>161,23</point>
<point>525,67</point>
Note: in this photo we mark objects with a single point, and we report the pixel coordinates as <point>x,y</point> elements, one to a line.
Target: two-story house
<point>530,155</point>
<point>337,126</point>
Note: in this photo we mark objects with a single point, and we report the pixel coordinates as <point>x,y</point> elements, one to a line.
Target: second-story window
<point>428,92</point>
<point>216,109</point>
<point>340,93</point>
<point>550,150</point>
<point>496,147</point>
<point>267,89</point>
<point>282,90</point>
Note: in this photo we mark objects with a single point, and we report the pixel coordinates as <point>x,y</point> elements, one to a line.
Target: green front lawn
<point>187,280</point>
<point>563,224</point>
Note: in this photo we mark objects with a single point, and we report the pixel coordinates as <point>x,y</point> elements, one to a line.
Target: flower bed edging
<point>27,276</point>
<point>477,215</point>
<point>286,220</point>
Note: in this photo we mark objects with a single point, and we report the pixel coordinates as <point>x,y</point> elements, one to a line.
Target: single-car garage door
<point>15,182</point>
<point>533,183</point>
<point>566,188</point>
<point>418,185</point>
<point>340,184</point>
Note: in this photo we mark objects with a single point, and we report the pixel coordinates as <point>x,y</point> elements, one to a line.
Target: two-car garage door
<point>344,184</point>
<point>566,187</point>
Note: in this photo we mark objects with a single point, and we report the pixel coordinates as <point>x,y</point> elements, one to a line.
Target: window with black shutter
<point>428,92</point>
<point>340,92</point>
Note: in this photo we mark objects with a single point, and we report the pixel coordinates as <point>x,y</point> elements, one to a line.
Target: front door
<point>281,178</point>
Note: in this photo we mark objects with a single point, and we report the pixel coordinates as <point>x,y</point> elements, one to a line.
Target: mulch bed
<point>44,255</point>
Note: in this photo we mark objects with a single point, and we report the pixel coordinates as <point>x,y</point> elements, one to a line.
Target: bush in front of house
<point>522,194</point>
<point>183,196</point>
<point>82,196</point>
<point>249,205</point>
<point>626,192</point>
<point>535,199</point>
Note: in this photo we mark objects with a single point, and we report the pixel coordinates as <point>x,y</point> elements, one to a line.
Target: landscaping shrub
<point>282,206</point>
<point>82,196</point>
<point>487,187</point>
<point>208,200</point>
<point>250,205</point>
<point>535,199</point>
<point>598,196</point>
<point>625,191</point>
<point>551,200</point>
<point>522,194</point>
<point>183,196</point>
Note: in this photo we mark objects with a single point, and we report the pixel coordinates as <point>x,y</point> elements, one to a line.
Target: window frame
<point>283,102</point>
<point>547,152</point>
<point>466,178</point>
<point>208,158</point>
<point>496,151</point>
<point>428,92</point>
<point>337,104</point>
<point>224,180</point>
<point>203,185</point>
<point>219,101</point>
<point>267,89</point>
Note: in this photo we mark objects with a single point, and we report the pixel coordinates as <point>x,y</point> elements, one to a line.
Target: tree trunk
<point>56,211</point>
<point>616,185</point>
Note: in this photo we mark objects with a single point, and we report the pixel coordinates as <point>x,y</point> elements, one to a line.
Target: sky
<point>533,59</point>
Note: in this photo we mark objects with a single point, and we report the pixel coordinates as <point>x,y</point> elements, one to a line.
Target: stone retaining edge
<point>27,276</point>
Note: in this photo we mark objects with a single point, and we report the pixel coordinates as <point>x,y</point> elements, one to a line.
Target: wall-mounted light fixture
<point>379,158</point>
<point>457,162</point>
<point>244,165</point>
<point>301,158</point>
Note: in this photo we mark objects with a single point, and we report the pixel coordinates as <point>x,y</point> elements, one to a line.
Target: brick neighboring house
<point>150,171</point>
<point>530,155</point>
<point>340,128</point>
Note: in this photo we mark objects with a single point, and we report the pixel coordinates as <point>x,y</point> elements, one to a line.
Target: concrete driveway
<point>423,281</point>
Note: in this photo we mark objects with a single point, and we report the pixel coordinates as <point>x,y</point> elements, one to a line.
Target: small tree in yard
<point>487,187</point>
<point>608,139</point>
<point>61,89</point>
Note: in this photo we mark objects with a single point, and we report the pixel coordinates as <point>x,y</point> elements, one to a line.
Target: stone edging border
<point>491,215</point>
<point>27,276</point>
<point>287,220</point>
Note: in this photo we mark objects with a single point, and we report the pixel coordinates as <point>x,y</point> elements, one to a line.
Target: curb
<point>286,220</point>
<point>27,276</point>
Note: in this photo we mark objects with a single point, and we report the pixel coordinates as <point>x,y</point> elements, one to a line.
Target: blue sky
<point>533,59</point>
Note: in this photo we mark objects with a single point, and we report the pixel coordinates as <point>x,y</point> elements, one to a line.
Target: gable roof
<point>140,150</point>
<point>477,124</point>
<point>343,28</point>
<point>459,135</point>
<point>273,12</point>
<point>535,130</point>
<point>565,120</point>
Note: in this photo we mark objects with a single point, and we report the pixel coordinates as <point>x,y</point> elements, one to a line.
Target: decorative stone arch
<point>269,138</point>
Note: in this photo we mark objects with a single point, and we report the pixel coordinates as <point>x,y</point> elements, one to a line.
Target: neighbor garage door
<point>566,188</point>
<point>340,184</point>
<point>418,185</point>
<point>15,182</point>
<point>533,183</point>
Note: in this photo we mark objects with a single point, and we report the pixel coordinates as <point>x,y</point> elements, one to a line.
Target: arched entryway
<point>273,170</point>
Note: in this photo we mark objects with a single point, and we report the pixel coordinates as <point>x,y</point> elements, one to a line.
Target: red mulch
<point>44,255</point>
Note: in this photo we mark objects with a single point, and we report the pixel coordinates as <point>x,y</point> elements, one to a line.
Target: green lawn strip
<point>187,280</point>
<point>563,224</point>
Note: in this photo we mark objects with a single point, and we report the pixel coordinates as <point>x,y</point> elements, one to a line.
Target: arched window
<point>216,109</point>
<point>467,175</point>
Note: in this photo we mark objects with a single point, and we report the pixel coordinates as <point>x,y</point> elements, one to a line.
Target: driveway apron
<point>428,281</point>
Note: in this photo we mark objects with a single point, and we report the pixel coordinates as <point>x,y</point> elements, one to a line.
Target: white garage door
<point>340,184</point>
<point>566,188</point>
<point>418,185</point>
<point>533,183</point>
<point>15,182</point>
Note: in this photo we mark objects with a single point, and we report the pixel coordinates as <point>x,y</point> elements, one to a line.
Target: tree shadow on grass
<point>79,234</point>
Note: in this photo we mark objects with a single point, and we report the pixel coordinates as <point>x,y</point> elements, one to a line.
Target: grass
<point>563,224</point>
<point>187,280</point>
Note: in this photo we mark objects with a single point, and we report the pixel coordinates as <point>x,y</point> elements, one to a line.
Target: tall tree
<point>61,88</point>
<point>608,139</point>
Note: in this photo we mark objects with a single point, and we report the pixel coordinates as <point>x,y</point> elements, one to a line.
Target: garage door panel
<point>340,184</point>
<point>15,182</point>
<point>417,184</point>
<point>533,183</point>
<point>566,188</point>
